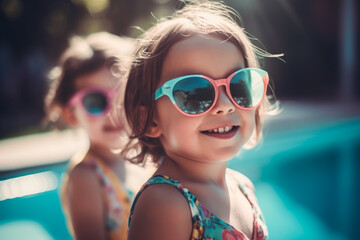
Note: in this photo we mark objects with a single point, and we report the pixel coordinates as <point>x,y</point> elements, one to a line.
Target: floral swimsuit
<point>207,226</point>
<point>118,200</point>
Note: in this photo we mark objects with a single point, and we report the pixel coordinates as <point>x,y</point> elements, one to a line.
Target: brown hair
<point>207,18</point>
<point>85,56</point>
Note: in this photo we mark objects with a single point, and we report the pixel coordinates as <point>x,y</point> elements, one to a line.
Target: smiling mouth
<point>222,132</point>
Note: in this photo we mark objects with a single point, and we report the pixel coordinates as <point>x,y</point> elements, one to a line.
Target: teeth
<point>221,130</point>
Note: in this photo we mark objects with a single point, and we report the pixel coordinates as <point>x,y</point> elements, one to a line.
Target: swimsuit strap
<point>118,200</point>
<point>247,187</point>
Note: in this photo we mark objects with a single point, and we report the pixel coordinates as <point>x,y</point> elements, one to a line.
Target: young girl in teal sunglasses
<point>195,96</point>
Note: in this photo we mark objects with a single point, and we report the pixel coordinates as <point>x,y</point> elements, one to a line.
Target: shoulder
<point>84,202</point>
<point>83,181</point>
<point>241,179</point>
<point>83,171</point>
<point>161,212</point>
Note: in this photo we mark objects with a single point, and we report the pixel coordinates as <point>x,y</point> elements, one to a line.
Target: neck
<point>194,171</point>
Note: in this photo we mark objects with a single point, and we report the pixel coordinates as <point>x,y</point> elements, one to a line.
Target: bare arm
<point>85,205</point>
<point>160,213</point>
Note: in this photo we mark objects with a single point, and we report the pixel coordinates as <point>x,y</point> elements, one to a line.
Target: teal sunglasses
<point>194,95</point>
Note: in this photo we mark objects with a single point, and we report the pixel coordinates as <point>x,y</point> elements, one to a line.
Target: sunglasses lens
<point>95,103</point>
<point>194,95</point>
<point>247,88</point>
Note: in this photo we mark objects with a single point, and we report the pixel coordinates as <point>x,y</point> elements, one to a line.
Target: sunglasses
<point>95,101</point>
<point>194,95</point>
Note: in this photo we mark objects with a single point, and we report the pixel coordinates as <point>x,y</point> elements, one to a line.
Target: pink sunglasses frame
<point>78,97</point>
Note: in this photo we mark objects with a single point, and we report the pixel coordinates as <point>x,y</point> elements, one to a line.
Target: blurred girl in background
<point>98,187</point>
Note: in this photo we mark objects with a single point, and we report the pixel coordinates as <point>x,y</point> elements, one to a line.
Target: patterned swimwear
<point>207,226</point>
<point>118,201</point>
<point>117,198</point>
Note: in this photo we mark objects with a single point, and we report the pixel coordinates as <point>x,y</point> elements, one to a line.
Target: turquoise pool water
<point>305,177</point>
<point>307,180</point>
<point>34,216</point>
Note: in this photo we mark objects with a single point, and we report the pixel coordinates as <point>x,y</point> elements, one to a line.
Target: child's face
<point>101,128</point>
<point>185,137</point>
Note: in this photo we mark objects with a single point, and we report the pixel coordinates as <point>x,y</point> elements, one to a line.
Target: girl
<point>98,188</point>
<point>194,97</point>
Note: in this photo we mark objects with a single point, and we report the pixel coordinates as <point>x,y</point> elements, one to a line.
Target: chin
<point>226,155</point>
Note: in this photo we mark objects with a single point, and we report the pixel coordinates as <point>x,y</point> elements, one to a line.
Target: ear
<point>68,115</point>
<point>154,130</point>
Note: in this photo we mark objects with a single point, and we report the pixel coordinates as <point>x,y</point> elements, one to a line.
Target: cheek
<point>179,134</point>
<point>180,139</point>
<point>81,116</point>
<point>175,127</point>
<point>171,131</point>
<point>252,120</point>
<point>86,122</point>
<point>248,123</point>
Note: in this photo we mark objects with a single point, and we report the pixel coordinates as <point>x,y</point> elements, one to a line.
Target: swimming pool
<point>306,178</point>
<point>30,206</point>
<point>305,175</point>
<point>31,169</point>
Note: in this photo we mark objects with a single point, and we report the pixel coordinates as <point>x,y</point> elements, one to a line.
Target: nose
<point>223,103</point>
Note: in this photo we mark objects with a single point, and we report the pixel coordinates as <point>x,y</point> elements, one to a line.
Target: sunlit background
<point>306,169</point>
